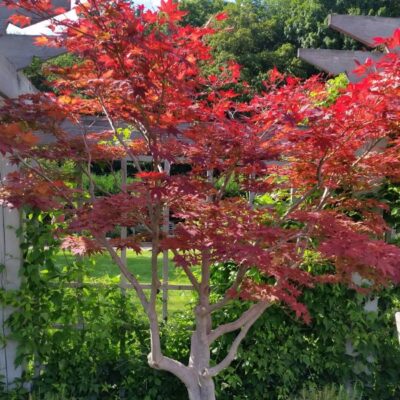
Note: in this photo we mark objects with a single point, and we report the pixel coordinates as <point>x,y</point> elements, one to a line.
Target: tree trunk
<point>202,386</point>
<point>204,389</point>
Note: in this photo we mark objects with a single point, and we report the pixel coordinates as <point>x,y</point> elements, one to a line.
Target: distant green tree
<point>35,72</point>
<point>252,36</point>
<point>201,10</point>
<point>261,34</point>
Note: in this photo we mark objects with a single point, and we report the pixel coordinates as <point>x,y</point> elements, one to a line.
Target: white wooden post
<point>397,317</point>
<point>12,84</point>
<point>11,261</point>
<point>252,195</point>
<point>124,229</point>
<point>16,52</point>
<point>165,268</point>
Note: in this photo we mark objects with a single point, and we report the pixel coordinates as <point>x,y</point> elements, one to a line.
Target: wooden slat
<point>125,285</point>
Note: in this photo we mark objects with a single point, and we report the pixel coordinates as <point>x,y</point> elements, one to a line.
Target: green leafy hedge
<point>283,356</point>
<point>106,357</point>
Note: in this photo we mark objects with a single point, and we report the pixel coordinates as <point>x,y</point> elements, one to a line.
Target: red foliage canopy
<point>140,71</point>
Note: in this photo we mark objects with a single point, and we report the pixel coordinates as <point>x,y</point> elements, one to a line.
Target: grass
<point>101,269</point>
<point>104,268</point>
<point>331,392</point>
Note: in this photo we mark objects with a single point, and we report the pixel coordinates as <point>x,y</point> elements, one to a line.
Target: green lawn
<point>101,269</point>
<point>105,269</point>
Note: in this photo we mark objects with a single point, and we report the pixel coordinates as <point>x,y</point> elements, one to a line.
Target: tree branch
<point>254,315</point>
<point>174,367</point>
<point>128,275</point>
<point>45,177</point>
<point>254,311</point>
<point>193,280</point>
<point>299,201</point>
<point>303,198</point>
<point>367,151</point>
<point>238,280</point>
<point>120,139</point>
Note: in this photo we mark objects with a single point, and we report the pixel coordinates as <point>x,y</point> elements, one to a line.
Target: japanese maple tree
<point>140,72</point>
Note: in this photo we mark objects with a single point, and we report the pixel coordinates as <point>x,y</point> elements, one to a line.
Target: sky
<point>41,28</point>
<point>149,3</point>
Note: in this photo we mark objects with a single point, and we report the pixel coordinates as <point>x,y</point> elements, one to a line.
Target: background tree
<point>261,34</point>
<point>306,24</point>
<point>140,72</point>
<point>199,12</point>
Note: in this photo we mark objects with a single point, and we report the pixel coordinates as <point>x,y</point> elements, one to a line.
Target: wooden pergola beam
<point>20,50</point>
<point>364,29</point>
<point>361,28</point>
<point>336,62</point>
<point>12,82</point>
<point>5,14</point>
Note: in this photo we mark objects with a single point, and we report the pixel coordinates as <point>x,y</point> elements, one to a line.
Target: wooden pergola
<point>361,28</point>
<point>16,53</point>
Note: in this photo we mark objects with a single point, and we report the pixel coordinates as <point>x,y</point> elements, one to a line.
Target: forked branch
<point>238,280</point>
<point>255,312</point>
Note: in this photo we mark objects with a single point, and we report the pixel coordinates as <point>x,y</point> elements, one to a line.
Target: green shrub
<point>282,358</point>
<point>107,183</point>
